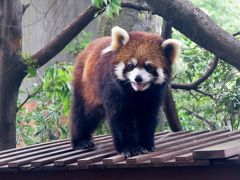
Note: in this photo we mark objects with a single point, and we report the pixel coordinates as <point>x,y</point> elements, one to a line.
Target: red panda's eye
<point>150,68</point>
<point>130,67</point>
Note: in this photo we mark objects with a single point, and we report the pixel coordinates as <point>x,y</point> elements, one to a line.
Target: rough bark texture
<point>197,26</point>
<point>11,66</point>
<point>171,112</point>
<point>169,104</point>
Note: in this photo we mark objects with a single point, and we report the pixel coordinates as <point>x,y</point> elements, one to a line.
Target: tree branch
<point>169,105</point>
<point>194,85</point>
<point>25,6</point>
<point>211,125</point>
<point>136,7</point>
<point>166,30</point>
<point>197,26</point>
<point>62,39</point>
<point>29,97</point>
<point>236,34</point>
<point>204,93</point>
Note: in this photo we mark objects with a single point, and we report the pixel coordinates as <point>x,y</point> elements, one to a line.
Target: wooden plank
<point>114,159</point>
<point>29,150</point>
<point>28,160</point>
<point>191,137</point>
<point>99,144</point>
<point>175,144</point>
<point>47,160</point>
<point>72,159</point>
<point>163,139</point>
<point>45,145</point>
<point>87,161</point>
<point>196,144</point>
<point>219,151</point>
<point>181,136</point>
<point>13,158</point>
<point>31,146</point>
<point>184,157</point>
<point>68,160</point>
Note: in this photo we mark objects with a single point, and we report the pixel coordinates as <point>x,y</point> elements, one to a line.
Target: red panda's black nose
<point>138,78</point>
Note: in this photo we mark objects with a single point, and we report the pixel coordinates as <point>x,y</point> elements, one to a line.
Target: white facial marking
<point>134,61</point>
<point>148,62</point>
<point>161,76</point>
<point>119,70</point>
<point>139,86</point>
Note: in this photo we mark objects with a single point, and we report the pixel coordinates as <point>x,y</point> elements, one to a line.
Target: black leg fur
<point>146,129</point>
<point>124,133</point>
<point>83,124</point>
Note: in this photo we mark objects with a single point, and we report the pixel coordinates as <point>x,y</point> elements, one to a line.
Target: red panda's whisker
<point>111,82</point>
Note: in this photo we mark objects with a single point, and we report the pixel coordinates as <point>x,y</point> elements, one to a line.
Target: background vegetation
<point>47,116</point>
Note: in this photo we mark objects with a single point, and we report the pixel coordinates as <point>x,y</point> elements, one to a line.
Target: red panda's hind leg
<point>83,125</point>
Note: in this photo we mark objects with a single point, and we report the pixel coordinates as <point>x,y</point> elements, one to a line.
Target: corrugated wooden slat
<point>31,146</point>
<point>170,146</point>
<point>13,158</point>
<point>47,160</point>
<point>87,161</point>
<point>172,149</point>
<point>28,160</point>
<point>71,159</point>
<point>184,157</point>
<point>188,147</point>
<point>159,137</point>
<point>99,142</point>
<point>114,159</point>
<point>218,151</point>
<point>28,150</point>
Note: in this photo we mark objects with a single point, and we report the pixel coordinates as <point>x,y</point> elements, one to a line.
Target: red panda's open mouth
<point>140,86</point>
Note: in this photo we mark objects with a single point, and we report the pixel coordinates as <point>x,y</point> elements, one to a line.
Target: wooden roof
<point>172,149</point>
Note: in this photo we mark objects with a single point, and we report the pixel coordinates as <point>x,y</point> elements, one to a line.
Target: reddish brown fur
<point>85,70</point>
<point>142,46</point>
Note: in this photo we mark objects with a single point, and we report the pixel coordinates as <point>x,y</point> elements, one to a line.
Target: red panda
<point>122,78</point>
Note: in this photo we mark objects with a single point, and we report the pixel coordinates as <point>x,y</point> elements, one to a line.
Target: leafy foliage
<point>112,6</point>
<point>31,65</point>
<point>79,43</point>
<point>197,110</point>
<point>45,118</point>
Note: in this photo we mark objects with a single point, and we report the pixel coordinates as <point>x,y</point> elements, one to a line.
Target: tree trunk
<point>198,27</point>
<point>169,104</point>
<point>11,69</point>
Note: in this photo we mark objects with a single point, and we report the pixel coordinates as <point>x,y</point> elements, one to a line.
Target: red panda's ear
<point>172,48</point>
<point>120,37</point>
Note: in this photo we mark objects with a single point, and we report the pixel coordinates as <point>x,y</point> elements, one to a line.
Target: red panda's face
<point>141,59</point>
<point>140,74</point>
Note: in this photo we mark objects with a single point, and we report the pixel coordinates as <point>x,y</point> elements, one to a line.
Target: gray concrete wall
<point>44,19</point>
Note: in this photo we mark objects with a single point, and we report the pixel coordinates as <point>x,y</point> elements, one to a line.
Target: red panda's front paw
<point>135,151</point>
<point>139,150</point>
<point>85,144</point>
